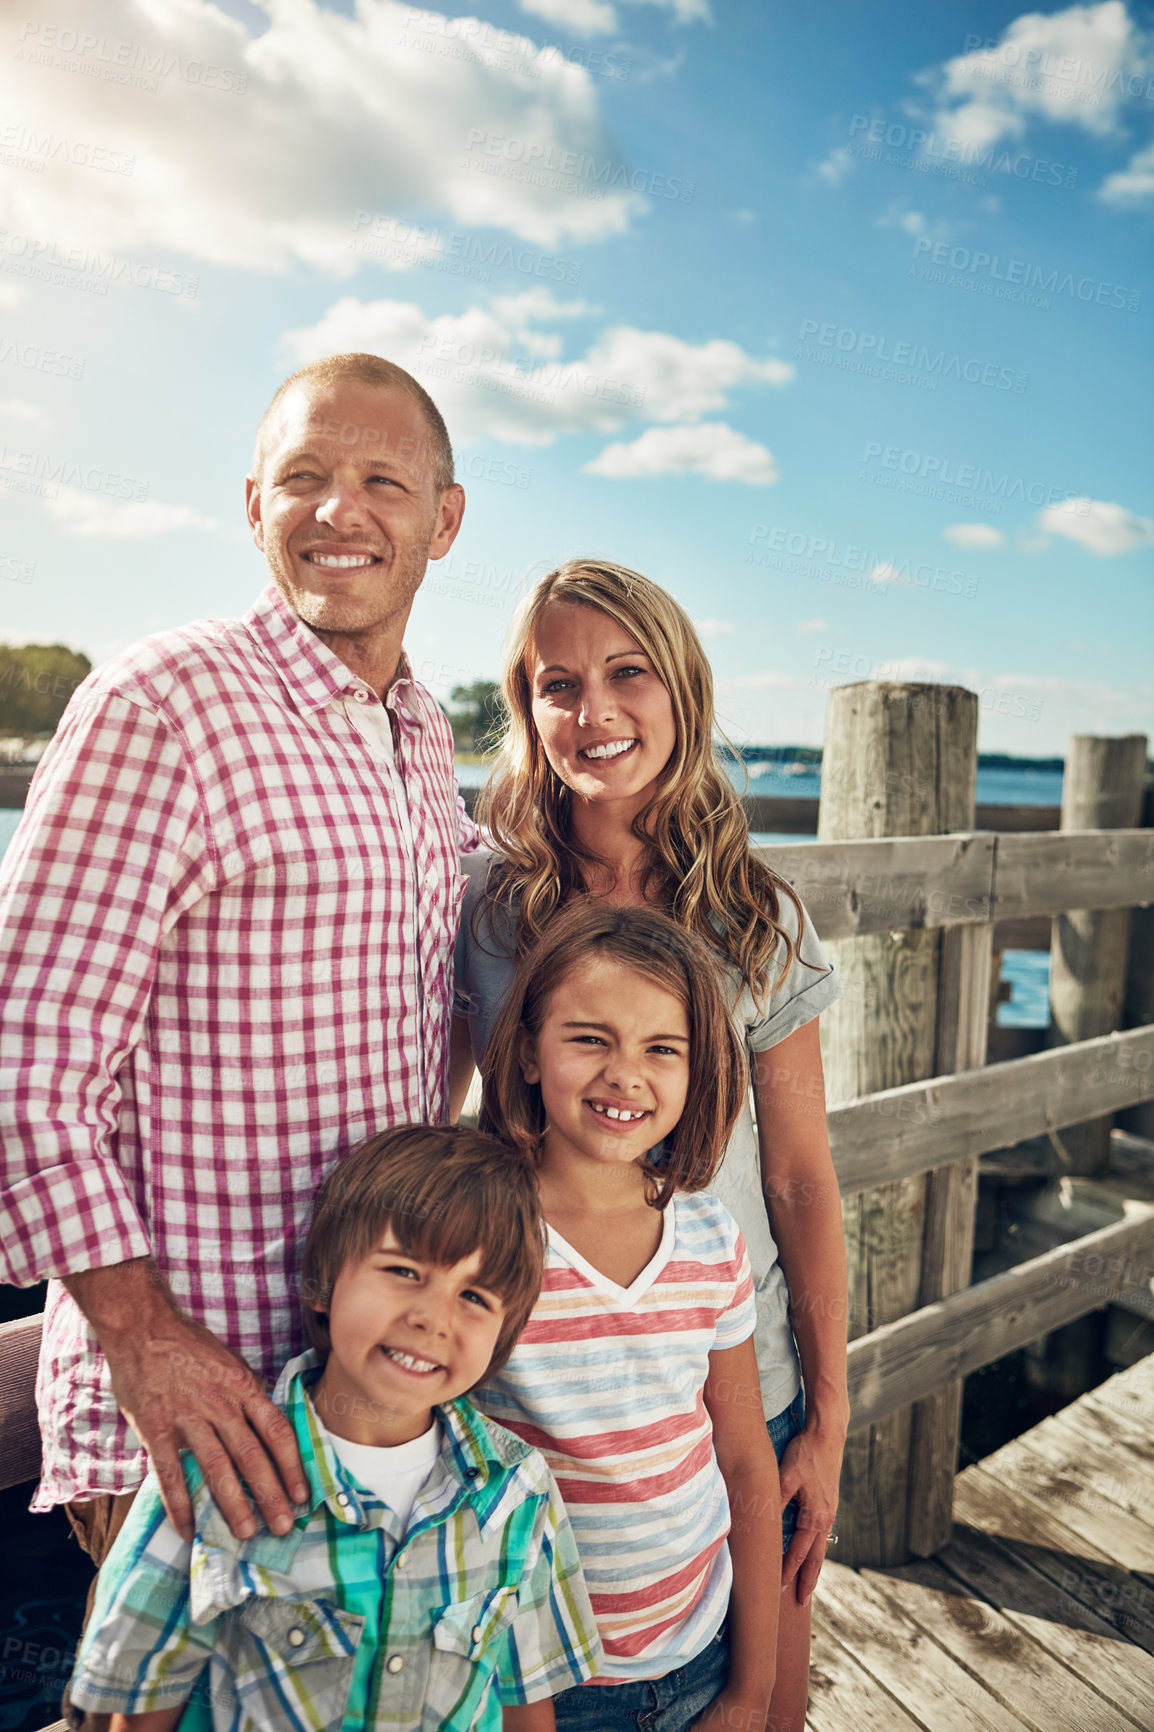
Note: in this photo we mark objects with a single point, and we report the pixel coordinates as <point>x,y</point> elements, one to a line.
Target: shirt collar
<point>469,1454</point>
<point>223,1570</point>
<point>315,674</point>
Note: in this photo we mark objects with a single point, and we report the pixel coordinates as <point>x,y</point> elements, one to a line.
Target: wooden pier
<point>1029,1600</point>
<point>1038,1616</point>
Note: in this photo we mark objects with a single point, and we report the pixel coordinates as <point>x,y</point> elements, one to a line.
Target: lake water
<point>1026,971</point>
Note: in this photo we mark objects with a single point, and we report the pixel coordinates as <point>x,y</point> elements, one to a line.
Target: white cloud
<point>886,572</point>
<point>495,373</point>
<point>595,18</point>
<point>16,412</point>
<point>1071,66</point>
<point>257,151</point>
<point>1133,185</point>
<point>680,380</point>
<point>708,448</point>
<point>974,535</point>
<point>807,627</point>
<point>834,167</point>
<point>102,519</point>
<point>11,294</point>
<point>579,17</point>
<point>1104,528</point>
<point>713,627</point>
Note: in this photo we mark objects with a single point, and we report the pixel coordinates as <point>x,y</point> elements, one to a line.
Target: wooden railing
<point>967,885</point>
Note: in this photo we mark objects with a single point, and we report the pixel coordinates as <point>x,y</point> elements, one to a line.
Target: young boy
<point>431,1579</point>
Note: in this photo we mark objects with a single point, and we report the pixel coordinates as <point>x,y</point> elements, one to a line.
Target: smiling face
<point>404,1334</point>
<point>612,1063</point>
<point>346,510</point>
<point>601,712</point>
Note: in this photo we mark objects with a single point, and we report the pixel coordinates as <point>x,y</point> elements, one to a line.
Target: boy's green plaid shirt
<point>348,1623</point>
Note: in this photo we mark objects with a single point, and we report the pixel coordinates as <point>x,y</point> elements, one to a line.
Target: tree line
<point>36,682</point>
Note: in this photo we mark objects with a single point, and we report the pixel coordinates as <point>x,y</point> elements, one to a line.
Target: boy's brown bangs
<point>446,1191</point>
<point>451,1215</point>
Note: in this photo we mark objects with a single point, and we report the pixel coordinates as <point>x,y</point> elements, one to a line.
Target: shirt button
<point>343,1499</point>
<point>477,1632</point>
<point>472,1473</point>
<point>296,1638</point>
<point>362,697</point>
<point>401,1560</point>
<point>394,1663</point>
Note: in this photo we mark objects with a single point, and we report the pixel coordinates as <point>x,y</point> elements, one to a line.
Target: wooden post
<point>1139,1007</point>
<point>1101,790</point>
<point>900,760</point>
<point>948,1253</point>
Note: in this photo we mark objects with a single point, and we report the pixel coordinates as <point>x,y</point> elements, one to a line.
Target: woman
<point>607,786</point>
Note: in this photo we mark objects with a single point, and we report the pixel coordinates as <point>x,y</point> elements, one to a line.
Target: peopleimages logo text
<point>939,363</point>
<point>924,466</point>
<point>1049,280</point>
<point>916,140</point>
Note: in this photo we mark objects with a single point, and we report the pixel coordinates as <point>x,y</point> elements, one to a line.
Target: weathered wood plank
<point>1128,1478</point>
<point>1047,874</point>
<point>888,884</point>
<point>19,1434</point>
<point>1030,1532</point>
<point>1014,1668</point>
<point>1115,1482</point>
<point>1060,1624</point>
<point>797,815</point>
<point>948,1246</point>
<point>902,1131</point>
<point>1102,789</point>
<point>992,816</point>
<point>842,1693</point>
<point>1048,1477</point>
<point>901,1656</point>
<point>904,1360</point>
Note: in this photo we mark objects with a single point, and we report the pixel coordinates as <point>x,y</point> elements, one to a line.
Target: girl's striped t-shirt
<point>607,1382</point>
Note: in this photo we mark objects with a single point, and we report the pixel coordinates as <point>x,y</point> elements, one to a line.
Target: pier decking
<point>1038,1614</point>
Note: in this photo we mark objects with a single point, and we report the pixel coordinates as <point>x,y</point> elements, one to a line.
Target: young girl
<point>615,1065</point>
<point>607,787</point>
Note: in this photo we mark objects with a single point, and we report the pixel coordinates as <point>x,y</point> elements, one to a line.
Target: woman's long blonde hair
<point>700,869</point>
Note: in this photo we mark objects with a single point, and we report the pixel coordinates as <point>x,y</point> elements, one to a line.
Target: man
<point>226,934</point>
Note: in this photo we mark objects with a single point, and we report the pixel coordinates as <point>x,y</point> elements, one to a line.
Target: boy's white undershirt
<point>394,1475</point>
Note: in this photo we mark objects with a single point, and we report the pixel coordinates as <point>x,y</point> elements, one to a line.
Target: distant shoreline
<point>813,755</point>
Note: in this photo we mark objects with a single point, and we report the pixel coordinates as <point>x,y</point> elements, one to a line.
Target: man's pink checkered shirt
<point>225,958</point>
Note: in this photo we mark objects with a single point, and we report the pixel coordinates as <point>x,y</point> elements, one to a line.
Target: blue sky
<point>836,320</point>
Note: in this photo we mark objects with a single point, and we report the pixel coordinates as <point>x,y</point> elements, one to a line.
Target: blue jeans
<point>668,1704</point>
<point>783,1428</point>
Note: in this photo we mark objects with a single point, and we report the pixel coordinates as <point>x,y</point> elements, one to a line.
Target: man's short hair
<point>362,370</point>
<point>445,1191</point>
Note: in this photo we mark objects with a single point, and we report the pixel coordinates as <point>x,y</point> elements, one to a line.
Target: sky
<point>835,320</point>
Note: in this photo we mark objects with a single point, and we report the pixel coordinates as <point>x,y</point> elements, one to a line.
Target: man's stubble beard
<point>345,616</point>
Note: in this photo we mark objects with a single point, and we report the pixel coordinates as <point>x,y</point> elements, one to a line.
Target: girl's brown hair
<point>445,1191</point>
<point>699,863</point>
<point>654,946</point>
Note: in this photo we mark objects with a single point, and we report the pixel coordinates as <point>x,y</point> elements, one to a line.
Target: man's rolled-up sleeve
<point>112,848</point>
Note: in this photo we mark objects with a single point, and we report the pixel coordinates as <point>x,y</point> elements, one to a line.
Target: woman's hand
<point>810,1471</point>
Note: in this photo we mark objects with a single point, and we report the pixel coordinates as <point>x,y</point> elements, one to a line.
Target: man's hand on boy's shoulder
<point>179,1387</point>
